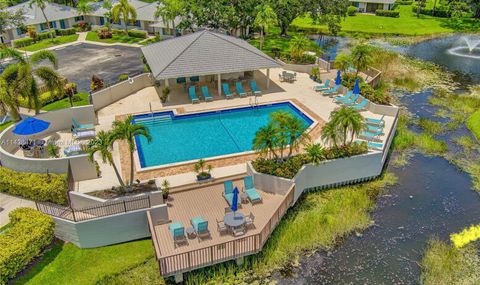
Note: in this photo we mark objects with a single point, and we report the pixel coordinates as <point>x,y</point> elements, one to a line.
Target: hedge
<point>403,2</point>
<point>439,12</point>
<point>44,99</point>
<point>66,32</point>
<point>29,233</point>
<point>387,13</point>
<point>35,186</point>
<point>46,35</point>
<point>137,34</point>
<point>22,42</point>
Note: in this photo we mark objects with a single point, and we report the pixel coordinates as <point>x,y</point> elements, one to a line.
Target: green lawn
<point>80,99</point>
<point>406,24</point>
<point>67,264</point>
<point>93,36</point>
<point>43,44</point>
<point>473,124</point>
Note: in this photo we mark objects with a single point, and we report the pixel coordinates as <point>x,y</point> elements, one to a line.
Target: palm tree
<point>343,62</point>
<point>331,133</point>
<point>125,11</point>
<point>126,130</point>
<point>84,8</point>
<point>315,153</point>
<point>8,102</point>
<point>23,76</point>
<point>298,45</point>
<point>42,5</point>
<point>296,134</point>
<point>348,120</point>
<point>361,57</point>
<point>103,144</point>
<point>107,5</point>
<point>265,140</point>
<point>265,17</point>
<point>168,10</point>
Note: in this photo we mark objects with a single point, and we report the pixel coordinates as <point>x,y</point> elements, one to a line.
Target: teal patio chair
<point>82,127</point>
<point>206,94</point>
<point>352,100</point>
<point>322,87</point>
<point>201,227</point>
<point>254,88</point>
<point>374,129</point>
<point>239,88</point>
<point>226,91</point>
<point>252,193</point>
<point>375,122</point>
<point>192,94</point>
<point>370,135</point>
<point>340,99</point>
<point>178,233</point>
<point>331,91</point>
<point>228,192</point>
<point>361,106</point>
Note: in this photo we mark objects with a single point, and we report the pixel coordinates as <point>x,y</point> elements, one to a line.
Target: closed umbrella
<point>234,206</point>
<point>338,80</point>
<point>356,87</point>
<point>30,126</point>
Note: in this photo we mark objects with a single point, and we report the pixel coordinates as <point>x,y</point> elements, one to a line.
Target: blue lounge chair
<point>240,91</point>
<point>352,100</point>
<point>226,91</point>
<point>254,88</point>
<point>375,122</point>
<point>372,145</point>
<point>228,192</point>
<point>360,106</point>
<point>374,129</point>
<point>178,233</point>
<point>206,94</point>
<point>201,227</point>
<point>252,193</point>
<point>331,91</point>
<point>370,135</point>
<point>325,86</point>
<point>82,127</point>
<point>192,94</point>
<point>344,97</point>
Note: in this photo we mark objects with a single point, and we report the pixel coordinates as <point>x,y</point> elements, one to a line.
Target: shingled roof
<point>204,53</point>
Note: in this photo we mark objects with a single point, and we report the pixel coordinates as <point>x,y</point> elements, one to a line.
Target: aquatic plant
<point>466,236</point>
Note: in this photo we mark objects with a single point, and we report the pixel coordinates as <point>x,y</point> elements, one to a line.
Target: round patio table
<point>233,221</point>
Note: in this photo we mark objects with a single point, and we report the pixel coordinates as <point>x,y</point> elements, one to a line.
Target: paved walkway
<point>10,203</point>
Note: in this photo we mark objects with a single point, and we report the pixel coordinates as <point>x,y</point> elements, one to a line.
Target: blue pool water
<point>177,138</point>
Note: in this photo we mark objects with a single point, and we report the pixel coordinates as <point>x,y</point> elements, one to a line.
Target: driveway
<point>78,62</point>
<point>9,203</point>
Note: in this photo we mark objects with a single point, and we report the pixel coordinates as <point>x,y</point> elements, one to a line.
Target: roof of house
<point>53,11</point>
<point>204,53</point>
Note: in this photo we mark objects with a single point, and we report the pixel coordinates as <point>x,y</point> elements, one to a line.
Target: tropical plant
<point>103,144</point>
<point>32,32</point>
<point>331,133</point>
<point>343,62</point>
<point>42,5</point>
<point>123,10</point>
<point>290,131</point>
<point>127,130</point>
<point>200,167</point>
<point>349,121</point>
<point>361,57</point>
<point>53,149</point>
<point>265,17</point>
<point>168,10</point>
<point>107,5</point>
<point>23,78</point>
<point>84,8</point>
<point>165,188</point>
<point>265,140</point>
<point>297,46</point>
<point>315,153</point>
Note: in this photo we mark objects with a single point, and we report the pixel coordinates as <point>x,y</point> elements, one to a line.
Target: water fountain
<point>470,48</point>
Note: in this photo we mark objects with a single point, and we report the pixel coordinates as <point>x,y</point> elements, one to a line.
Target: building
<point>370,6</point>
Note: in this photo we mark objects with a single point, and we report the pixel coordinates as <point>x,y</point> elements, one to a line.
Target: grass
<point>3,126</point>
<point>116,38</point>
<point>67,264</point>
<point>80,99</point>
<point>145,273</point>
<point>444,264</point>
<point>473,124</point>
<point>43,44</point>
<point>430,126</point>
<point>406,24</point>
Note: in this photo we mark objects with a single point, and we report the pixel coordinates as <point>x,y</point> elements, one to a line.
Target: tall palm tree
<point>125,11</point>
<point>107,5</point>
<point>265,140</point>
<point>84,8</point>
<point>331,133</point>
<point>8,102</point>
<point>349,120</point>
<point>343,62</point>
<point>168,10</point>
<point>361,57</point>
<point>24,76</point>
<point>42,5</point>
<point>298,45</point>
<point>126,130</point>
<point>265,17</point>
<point>103,144</point>
<point>297,136</point>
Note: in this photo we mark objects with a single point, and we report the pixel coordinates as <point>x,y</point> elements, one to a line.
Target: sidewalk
<point>10,203</point>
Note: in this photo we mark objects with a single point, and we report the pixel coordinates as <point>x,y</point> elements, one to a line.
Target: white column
<point>166,82</point>
<point>268,78</point>
<point>219,79</point>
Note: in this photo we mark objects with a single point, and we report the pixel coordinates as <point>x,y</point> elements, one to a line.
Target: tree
<point>361,57</point>
<point>265,140</point>
<point>349,121</point>
<point>84,8</point>
<point>125,11</point>
<point>24,76</point>
<point>298,45</point>
<point>9,18</point>
<point>287,11</point>
<point>168,10</point>
<point>343,62</point>
<point>127,130</point>
<point>103,144</point>
<point>290,132</point>
<point>107,5</point>
<point>314,153</point>
<point>330,12</point>
<point>265,17</point>
<point>331,133</point>
<point>42,5</point>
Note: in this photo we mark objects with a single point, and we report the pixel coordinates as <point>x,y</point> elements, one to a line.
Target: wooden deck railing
<point>198,258</point>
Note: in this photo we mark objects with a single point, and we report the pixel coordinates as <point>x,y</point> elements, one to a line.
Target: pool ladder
<point>253,101</point>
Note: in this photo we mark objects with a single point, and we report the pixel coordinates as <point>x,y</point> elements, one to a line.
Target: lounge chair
<point>239,88</point>
<point>331,91</point>
<point>201,227</point>
<point>325,86</point>
<point>80,135</point>
<point>226,91</point>
<point>178,233</point>
<point>82,127</point>
<point>192,94</point>
<point>375,145</point>
<point>352,100</point>
<point>252,193</point>
<point>375,122</point>
<point>345,97</point>
<point>361,106</point>
<point>73,150</point>
<point>228,193</point>
<point>254,88</point>
<point>370,135</point>
<point>206,94</point>
<point>374,129</point>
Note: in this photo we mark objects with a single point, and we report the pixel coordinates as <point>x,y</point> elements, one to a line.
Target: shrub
<point>96,83</point>
<point>351,10</point>
<point>70,89</point>
<point>32,32</point>
<point>44,98</point>
<point>403,2</point>
<point>137,34</point>
<point>34,186</point>
<point>165,93</point>
<point>22,42</point>
<point>122,77</point>
<point>387,13</point>
<point>46,35</point>
<point>30,232</point>
<point>82,27</point>
<point>439,12</point>
<point>66,32</point>
<point>119,32</point>
<point>104,33</point>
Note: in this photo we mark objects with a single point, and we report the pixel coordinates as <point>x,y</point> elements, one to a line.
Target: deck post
<point>179,277</point>
<point>219,84</point>
<point>268,78</point>
<point>239,260</point>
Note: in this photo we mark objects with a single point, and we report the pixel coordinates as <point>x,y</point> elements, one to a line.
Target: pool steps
<point>155,119</point>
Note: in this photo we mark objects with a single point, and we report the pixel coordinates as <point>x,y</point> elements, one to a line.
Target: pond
<point>432,197</point>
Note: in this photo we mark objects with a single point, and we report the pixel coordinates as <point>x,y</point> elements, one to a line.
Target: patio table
<point>234,220</point>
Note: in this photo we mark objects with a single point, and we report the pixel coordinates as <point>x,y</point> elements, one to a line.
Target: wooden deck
<point>209,203</point>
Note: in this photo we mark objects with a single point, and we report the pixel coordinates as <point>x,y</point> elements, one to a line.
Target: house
<point>370,6</point>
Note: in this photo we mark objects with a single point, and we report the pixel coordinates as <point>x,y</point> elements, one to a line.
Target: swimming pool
<point>177,138</point>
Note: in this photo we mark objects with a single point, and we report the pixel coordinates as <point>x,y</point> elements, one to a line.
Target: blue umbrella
<point>356,88</point>
<point>338,80</point>
<point>30,126</point>
<point>234,206</point>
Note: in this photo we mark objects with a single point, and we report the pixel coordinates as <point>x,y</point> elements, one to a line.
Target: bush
<point>137,34</point>
<point>351,10</point>
<point>46,35</point>
<point>104,33</point>
<point>66,32</point>
<point>122,77</point>
<point>35,186</point>
<point>70,89</point>
<point>96,83</point>
<point>387,13</point>
<point>403,2</point>
<point>82,27</point>
<point>22,42</point>
<point>43,99</point>
<point>119,32</point>
<point>29,233</point>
